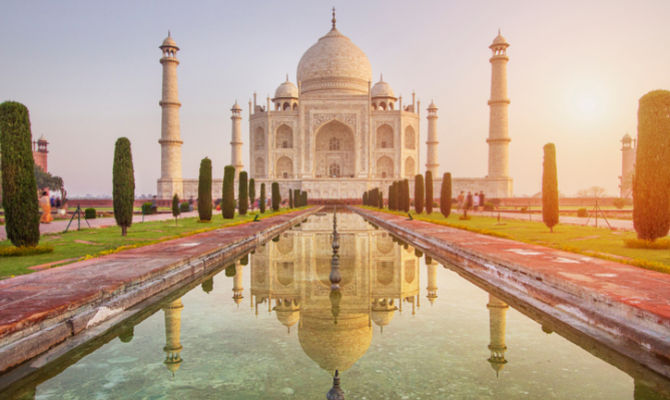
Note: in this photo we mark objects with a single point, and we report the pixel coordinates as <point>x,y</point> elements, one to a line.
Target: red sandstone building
<point>40,152</point>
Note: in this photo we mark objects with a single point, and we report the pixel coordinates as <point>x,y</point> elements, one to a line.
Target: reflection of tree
<point>208,285</point>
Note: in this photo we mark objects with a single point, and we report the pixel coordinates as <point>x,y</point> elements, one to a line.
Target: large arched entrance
<point>334,154</point>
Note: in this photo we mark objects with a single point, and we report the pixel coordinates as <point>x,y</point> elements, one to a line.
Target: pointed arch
<point>410,138</point>
<point>284,168</point>
<point>385,137</point>
<point>284,137</point>
<point>384,167</point>
<point>409,167</point>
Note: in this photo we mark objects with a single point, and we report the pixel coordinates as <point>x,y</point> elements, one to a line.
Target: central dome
<point>334,64</point>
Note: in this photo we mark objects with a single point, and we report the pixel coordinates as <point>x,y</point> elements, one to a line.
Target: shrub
<point>147,208</point>
<point>228,199</point>
<point>418,193</point>
<point>19,188</point>
<point>405,195</point>
<point>89,213</point>
<point>175,207</point>
<point>243,193</point>
<point>651,183</point>
<point>205,190</point>
<point>488,206</point>
<point>123,192</point>
<point>549,187</point>
<point>13,251</point>
<point>429,192</point>
<point>581,212</point>
<point>184,207</point>
<point>262,199</point>
<point>619,203</point>
<point>660,244</point>
<point>276,196</point>
<point>252,193</point>
<point>445,195</point>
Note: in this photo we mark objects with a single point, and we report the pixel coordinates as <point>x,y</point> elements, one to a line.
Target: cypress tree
<point>365,198</point>
<point>123,177</point>
<point>290,198</point>
<point>381,199</point>
<point>175,208</point>
<point>252,193</point>
<point>651,183</point>
<point>19,188</point>
<point>297,198</point>
<point>262,200</point>
<point>418,193</point>
<point>228,196</point>
<point>243,193</point>
<point>549,187</point>
<point>393,205</point>
<point>429,192</point>
<point>205,190</point>
<point>303,200</point>
<point>276,196</point>
<point>405,195</point>
<point>445,195</point>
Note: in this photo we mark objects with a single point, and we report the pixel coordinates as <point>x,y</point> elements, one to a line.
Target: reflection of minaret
<point>497,321</point>
<point>432,282</point>
<point>172,333</point>
<point>237,285</point>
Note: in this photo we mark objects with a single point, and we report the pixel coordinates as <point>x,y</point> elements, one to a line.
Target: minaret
<point>627,166</point>
<point>172,334</point>
<point>432,142</point>
<point>432,281</point>
<point>236,142</point>
<point>497,322</point>
<point>499,139</point>
<point>237,285</point>
<point>170,181</point>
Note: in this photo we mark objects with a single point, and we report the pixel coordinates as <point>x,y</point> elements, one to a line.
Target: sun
<point>587,105</point>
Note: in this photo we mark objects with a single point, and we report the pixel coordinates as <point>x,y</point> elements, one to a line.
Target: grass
<point>88,243</point>
<point>596,242</point>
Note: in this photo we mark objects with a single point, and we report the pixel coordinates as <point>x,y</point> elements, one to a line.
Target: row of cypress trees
<point>374,198</point>
<point>399,200</point>
<point>297,198</point>
<point>399,195</point>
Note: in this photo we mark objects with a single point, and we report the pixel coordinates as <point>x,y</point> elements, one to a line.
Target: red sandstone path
<point>31,299</point>
<point>635,287</point>
<point>61,224</point>
<point>620,224</point>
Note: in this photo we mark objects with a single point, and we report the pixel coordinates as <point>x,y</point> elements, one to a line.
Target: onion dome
<point>382,89</point>
<point>334,346</point>
<point>44,139</point>
<point>499,41</point>
<point>432,106</point>
<point>286,90</point>
<point>383,311</point>
<point>334,64</point>
<point>626,138</point>
<point>236,107</point>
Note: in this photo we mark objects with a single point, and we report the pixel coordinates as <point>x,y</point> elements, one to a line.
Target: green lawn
<point>598,242</point>
<point>75,245</point>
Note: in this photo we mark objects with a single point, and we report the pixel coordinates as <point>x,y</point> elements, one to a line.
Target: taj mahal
<point>335,134</point>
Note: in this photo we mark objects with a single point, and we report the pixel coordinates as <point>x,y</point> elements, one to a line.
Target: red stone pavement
<point>640,288</point>
<point>29,299</point>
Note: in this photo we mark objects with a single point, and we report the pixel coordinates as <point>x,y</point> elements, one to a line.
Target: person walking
<point>45,203</point>
<point>481,198</point>
<point>475,201</point>
<point>460,199</point>
<point>468,205</point>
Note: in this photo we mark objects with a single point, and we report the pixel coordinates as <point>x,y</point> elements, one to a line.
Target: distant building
<point>627,166</point>
<point>40,152</point>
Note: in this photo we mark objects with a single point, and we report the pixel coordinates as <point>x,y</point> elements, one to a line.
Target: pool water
<point>269,327</point>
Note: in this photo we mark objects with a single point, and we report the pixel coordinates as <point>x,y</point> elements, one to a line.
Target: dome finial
<point>333,20</point>
<point>498,31</point>
<point>287,77</point>
<point>381,77</point>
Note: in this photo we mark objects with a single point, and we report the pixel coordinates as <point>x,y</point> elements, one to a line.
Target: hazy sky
<point>89,72</point>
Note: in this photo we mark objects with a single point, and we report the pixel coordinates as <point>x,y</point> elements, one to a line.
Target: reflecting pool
<point>401,326</point>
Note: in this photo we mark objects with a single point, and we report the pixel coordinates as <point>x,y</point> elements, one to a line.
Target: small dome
<point>286,90</point>
<point>499,40</point>
<point>44,139</point>
<point>236,107</point>
<point>626,138</point>
<point>382,89</point>
<point>432,106</point>
<point>168,42</point>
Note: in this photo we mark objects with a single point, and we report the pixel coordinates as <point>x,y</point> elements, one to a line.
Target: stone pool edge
<point>37,338</point>
<point>633,332</point>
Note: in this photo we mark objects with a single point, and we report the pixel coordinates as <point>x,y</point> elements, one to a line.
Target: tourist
<point>154,205</point>
<point>468,204</point>
<point>475,201</point>
<point>190,203</point>
<point>481,199</point>
<point>460,199</point>
<point>45,203</point>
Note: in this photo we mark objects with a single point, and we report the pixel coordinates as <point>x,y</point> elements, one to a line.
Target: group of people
<point>470,201</point>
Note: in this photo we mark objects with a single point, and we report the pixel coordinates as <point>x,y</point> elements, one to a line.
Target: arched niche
<point>335,150</point>
<point>284,138</point>
<point>284,167</point>
<point>385,137</point>
<point>259,138</point>
<point>384,167</point>
<point>259,167</point>
<point>409,167</point>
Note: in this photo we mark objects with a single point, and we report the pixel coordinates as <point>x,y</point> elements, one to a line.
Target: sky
<point>89,73</point>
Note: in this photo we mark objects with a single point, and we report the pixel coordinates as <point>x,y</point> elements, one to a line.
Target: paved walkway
<point>619,224</point>
<point>53,300</point>
<point>60,225</point>
<point>631,301</point>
